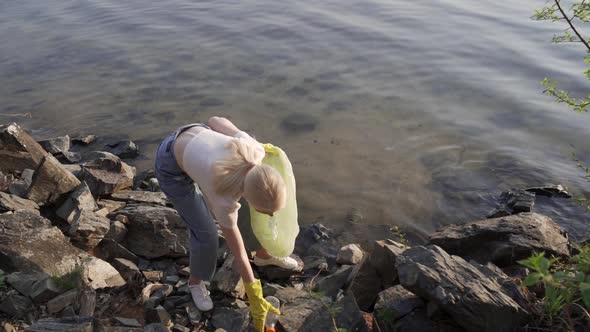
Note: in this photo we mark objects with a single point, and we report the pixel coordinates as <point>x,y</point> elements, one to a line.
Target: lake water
<point>411,113</point>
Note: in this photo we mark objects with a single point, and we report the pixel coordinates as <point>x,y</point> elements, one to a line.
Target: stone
<point>350,254</point>
<point>76,170</point>
<point>155,327</point>
<point>122,321</point>
<point>230,319</point>
<point>84,140</point>
<point>51,181</point>
<point>123,149</point>
<point>273,273</point>
<point>8,327</point>
<point>70,324</point>
<point>475,300</point>
<point>310,235</point>
<point>394,303</point>
<point>172,279</point>
<point>418,321</point>
<point>269,289</point>
<point>56,145</point>
<point>516,201</point>
<point>79,200</point>
<point>15,305</point>
<point>331,285</point>
<point>23,281</point>
<point>106,174</point>
<point>152,184</point>
<point>194,314</point>
<point>12,203</point>
<point>110,205</point>
<point>60,302</point>
<point>127,269</point>
<point>69,157</point>
<point>45,290</point>
<point>153,276</point>
<point>158,198</point>
<point>18,150</point>
<point>109,249</point>
<point>88,229</point>
<point>314,262</point>
<point>87,302</point>
<point>155,231</point>
<point>503,241</point>
<point>157,315</point>
<point>117,231</point>
<point>185,271</point>
<point>228,281</point>
<point>156,289</point>
<point>100,274</point>
<point>180,328</point>
<point>551,191</point>
<point>376,273</point>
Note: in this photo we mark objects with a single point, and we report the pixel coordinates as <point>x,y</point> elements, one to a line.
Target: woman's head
<point>264,189</point>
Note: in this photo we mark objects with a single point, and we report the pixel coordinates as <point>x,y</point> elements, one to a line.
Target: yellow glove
<point>259,307</point>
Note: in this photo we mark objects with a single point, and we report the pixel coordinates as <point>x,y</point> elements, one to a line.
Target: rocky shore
<point>86,244</point>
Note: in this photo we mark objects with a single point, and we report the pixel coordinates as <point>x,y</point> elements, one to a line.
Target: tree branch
<point>569,21</point>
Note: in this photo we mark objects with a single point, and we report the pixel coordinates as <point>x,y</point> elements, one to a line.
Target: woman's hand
<point>259,307</point>
<point>222,125</point>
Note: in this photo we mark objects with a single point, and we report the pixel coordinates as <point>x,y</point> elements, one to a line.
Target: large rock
<point>79,200</point>
<point>88,229</point>
<point>331,285</point>
<point>109,249</point>
<point>23,282</point>
<point>105,174</point>
<point>15,305</point>
<point>18,150</point>
<point>123,149</point>
<point>70,324</point>
<point>50,181</point>
<point>56,145</point>
<point>12,203</point>
<point>231,319</point>
<point>29,243</point>
<point>350,254</point>
<point>505,240</point>
<point>155,231</point>
<point>477,301</point>
<point>376,273</point>
<point>45,290</point>
<point>60,302</point>
<point>227,279</point>
<point>394,303</point>
<point>141,197</point>
<point>117,231</point>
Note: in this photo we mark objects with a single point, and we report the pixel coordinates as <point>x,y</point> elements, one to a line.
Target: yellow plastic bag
<point>277,234</point>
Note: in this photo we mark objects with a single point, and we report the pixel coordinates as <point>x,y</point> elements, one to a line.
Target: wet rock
<point>350,255</point>
<point>79,200</point>
<point>123,149</point>
<point>157,315</point>
<point>23,281</point>
<point>503,241</point>
<point>475,300</point>
<point>122,321</point>
<point>12,203</point>
<point>273,273</point>
<point>331,285</point>
<point>110,205</point>
<point>69,157</point>
<point>117,231</point>
<point>155,231</point>
<point>297,123</point>
<point>394,303</point>
<point>155,327</point>
<point>230,319</point>
<point>51,181</point>
<point>18,150</point>
<point>310,235</point>
<point>551,191</point>
<point>376,273</point>
<point>105,174</point>
<point>60,302</point>
<point>45,290</point>
<point>88,229</point>
<point>84,140</point>
<point>109,249</point>
<point>56,145</point>
<point>513,202</point>
<point>141,197</point>
<point>70,324</point>
<point>227,279</point>
<point>100,274</point>
<point>15,305</point>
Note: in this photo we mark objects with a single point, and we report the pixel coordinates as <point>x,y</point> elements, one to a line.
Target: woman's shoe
<point>201,297</point>
<point>287,263</point>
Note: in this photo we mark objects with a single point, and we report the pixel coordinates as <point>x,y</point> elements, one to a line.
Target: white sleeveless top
<point>200,154</point>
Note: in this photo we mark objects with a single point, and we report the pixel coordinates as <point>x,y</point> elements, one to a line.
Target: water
<point>411,113</point>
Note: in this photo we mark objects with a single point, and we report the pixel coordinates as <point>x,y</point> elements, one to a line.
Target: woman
<point>225,164</point>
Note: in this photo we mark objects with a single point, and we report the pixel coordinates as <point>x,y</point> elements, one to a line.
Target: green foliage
<point>401,236</point>
<point>70,280</point>
<point>578,14</point>
<point>565,284</point>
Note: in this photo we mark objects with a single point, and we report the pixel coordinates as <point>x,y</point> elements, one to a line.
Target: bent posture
<point>225,165</point>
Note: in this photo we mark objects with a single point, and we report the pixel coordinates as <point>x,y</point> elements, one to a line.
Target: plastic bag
<point>277,234</point>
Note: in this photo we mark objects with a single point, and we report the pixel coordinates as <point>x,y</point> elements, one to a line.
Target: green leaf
<point>585,291</point>
<point>532,279</point>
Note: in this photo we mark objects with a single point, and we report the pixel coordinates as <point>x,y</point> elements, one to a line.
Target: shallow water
<point>411,113</point>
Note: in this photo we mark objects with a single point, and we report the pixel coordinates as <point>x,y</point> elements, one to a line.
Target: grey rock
<point>84,140</point>
<point>185,271</point>
<point>475,300</point>
<point>394,303</point>
<point>157,315</point>
<point>51,181</point>
<point>127,269</point>
<point>117,231</point>
<point>60,302</point>
<point>418,321</point>
<point>100,274</point>
<point>12,203</point>
<point>105,174</point>
<point>194,315</point>
<point>111,205</point>
<point>309,236</point>
<point>515,201</point>
<point>152,184</point>
<point>172,279</point>
<point>123,149</point>
<point>269,289</point>
<point>230,319</point>
<point>21,186</point>
<point>70,324</point>
<point>503,241</point>
<point>122,321</point>
<point>88,229</point>
<point>68,312</point>
<point>350,254</point>
<point>314,262</point>
<point>79,200</point>
<point>76,170</point>
<point>273,273</point>
<point>23,281</point>
<point>109,249</point>
<point>332,284</point>
<point>551,191</point>
<point>158,198</point>
<point>155,327</point>
<point>18,150</point>
<point>227,279</point>
<point>155,231</point>
<point>69,157</point>
<point>180,328</point>
<point>15,305</point>
<point>56,145</point>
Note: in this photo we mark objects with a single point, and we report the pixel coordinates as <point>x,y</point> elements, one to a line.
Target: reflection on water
<point>410,113</point>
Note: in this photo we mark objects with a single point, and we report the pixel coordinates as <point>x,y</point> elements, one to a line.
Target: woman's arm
<point>222,125</point>
<point>234,241</point>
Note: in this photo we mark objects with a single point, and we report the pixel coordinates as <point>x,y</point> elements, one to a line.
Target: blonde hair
<point>239,173</point>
